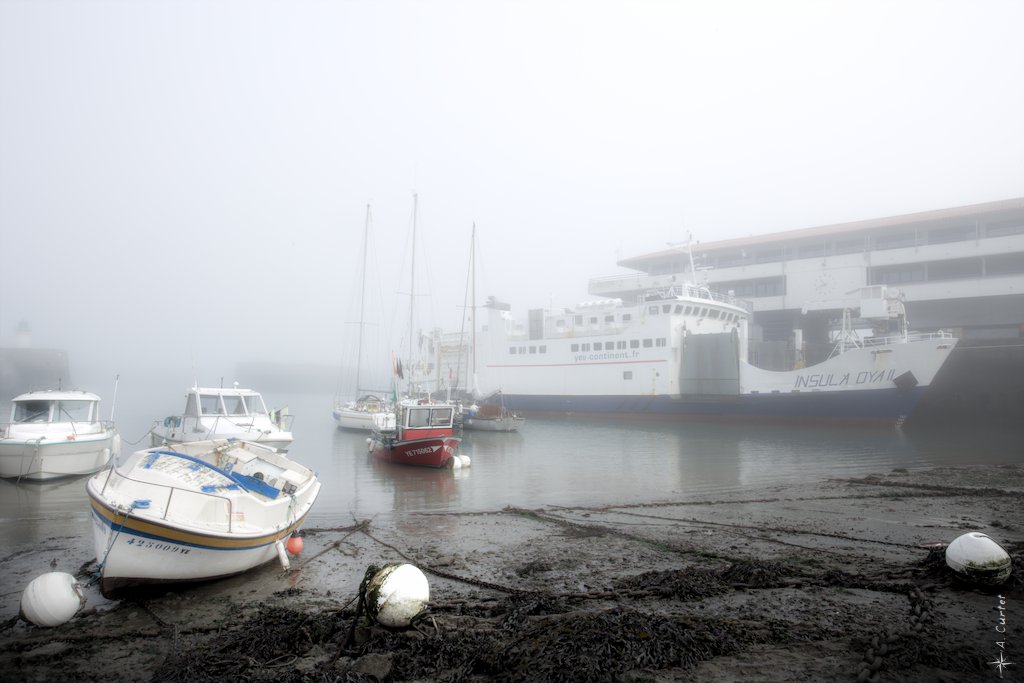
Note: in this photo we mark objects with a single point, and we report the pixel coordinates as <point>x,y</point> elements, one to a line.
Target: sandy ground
<point>825,582</point>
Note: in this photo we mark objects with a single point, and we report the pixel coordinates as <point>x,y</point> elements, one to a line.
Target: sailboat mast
<point>472,298</point>
<point>362,305</point>
<point>412,284</point>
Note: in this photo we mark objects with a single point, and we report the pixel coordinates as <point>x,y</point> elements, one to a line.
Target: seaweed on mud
<point>274,635</point>
<point>683,584</point>
<point>603,646</point>
<point>755,574</point>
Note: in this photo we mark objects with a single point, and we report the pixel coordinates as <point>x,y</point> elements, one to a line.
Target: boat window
<point>210,404</point>
<point>679,309</point>
<point>32,411</point>
<point>73,411</point>
<point>626,317</point>
<point>235,405</point>
<point>543,348</point>
<point>418,417</point>
<point>660,341</point>
<point>714,313</point>
<point>190,406</point>
<point>585,347</point>
<point>609,318</point>
<point>577,319</point>
<point>634,343</point>
<point>574,348</point>
<point>703,313</point>
<point>533,349</point>
<point>512,350</point>
<point>522,349</point>
<point>593,320</point>
<point>666,308</point>
<point>440,417</point>
<point>627,374</point>
<point>254,405</point>
<point>648,343</point>
<point>560,323</point>
<point>620,344</point>
<point>653,310</point>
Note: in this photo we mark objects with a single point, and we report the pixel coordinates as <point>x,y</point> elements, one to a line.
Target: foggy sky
<point>183,184</point>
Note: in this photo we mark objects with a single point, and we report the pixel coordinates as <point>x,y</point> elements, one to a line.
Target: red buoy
<point>295,543</point>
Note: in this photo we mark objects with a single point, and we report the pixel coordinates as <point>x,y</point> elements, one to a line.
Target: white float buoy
<point>397,594</point>
<point>466,461</point>
<point>979,559</point>
<point>51,599</point>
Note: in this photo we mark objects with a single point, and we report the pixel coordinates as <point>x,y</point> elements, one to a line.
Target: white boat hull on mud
<point>201,511</point>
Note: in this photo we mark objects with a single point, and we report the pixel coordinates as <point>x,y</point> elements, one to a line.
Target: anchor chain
<point>883,643</point>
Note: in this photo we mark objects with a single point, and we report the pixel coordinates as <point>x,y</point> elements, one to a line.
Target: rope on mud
<point>479,583</point>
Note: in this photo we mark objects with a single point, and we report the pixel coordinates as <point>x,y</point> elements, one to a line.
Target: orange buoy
<point>295,543</point>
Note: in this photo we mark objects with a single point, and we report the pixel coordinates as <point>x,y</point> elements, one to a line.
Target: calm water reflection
<point>553,460</point>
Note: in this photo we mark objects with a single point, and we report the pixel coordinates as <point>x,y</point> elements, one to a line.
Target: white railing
<point>170,491</point>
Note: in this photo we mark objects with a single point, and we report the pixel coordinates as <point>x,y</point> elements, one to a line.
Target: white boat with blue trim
<point>683,351</point>
<point>196,511</point>
<point>54,434</point>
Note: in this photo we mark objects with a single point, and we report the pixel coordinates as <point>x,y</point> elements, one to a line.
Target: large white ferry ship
<point>683,350</point>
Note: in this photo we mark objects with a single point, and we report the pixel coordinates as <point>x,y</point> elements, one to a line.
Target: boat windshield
<point>235,405</point>
<point>210,404</point>
<point>254,405</point>
<point>429,417</point>
<point>73,411</point>
<point>31,411</point>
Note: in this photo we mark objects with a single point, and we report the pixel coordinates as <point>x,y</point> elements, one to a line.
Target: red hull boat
<point>422,436</point>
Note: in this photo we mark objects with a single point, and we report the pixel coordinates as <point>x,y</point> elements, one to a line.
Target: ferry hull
<point>884,407</point>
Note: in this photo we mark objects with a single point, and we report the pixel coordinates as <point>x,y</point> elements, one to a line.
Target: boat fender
<point>396,595</point>
<point>295,543</point>
<point>51,599</point>
<point>466,460</point>
<point>282,555</point>
<point>140,503</point>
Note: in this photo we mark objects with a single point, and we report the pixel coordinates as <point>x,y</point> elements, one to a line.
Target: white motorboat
<point>359,414</point>
<point>55,434</point>
<point>221,413</point>
<point>196,511</point>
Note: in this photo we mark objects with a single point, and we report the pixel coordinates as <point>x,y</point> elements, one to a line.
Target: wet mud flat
<point>834,581</point>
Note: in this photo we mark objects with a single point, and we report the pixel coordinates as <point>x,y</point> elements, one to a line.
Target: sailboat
<point>487,414</point>
<point>359,414</point>
<point>421,429</point>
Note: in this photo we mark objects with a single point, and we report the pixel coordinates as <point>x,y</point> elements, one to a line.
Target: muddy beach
<point>828,582</point>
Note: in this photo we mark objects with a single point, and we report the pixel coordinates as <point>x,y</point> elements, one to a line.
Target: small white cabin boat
<point>221,413</point>
<point>196,511</point>
<point>55,434</point>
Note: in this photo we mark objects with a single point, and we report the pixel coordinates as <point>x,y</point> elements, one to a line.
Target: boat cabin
<point>56,406</point>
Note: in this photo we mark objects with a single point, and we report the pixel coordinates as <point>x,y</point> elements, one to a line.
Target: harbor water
<point>554,460</point>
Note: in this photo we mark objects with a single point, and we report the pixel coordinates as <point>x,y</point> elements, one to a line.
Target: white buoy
<point>51,599</point>
<point>456,462</point>
<point>397,594</point>
<point>466,460</point>
<point>979,559</point>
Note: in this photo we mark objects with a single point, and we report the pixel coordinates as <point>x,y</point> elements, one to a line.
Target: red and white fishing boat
<point>420,432</point>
